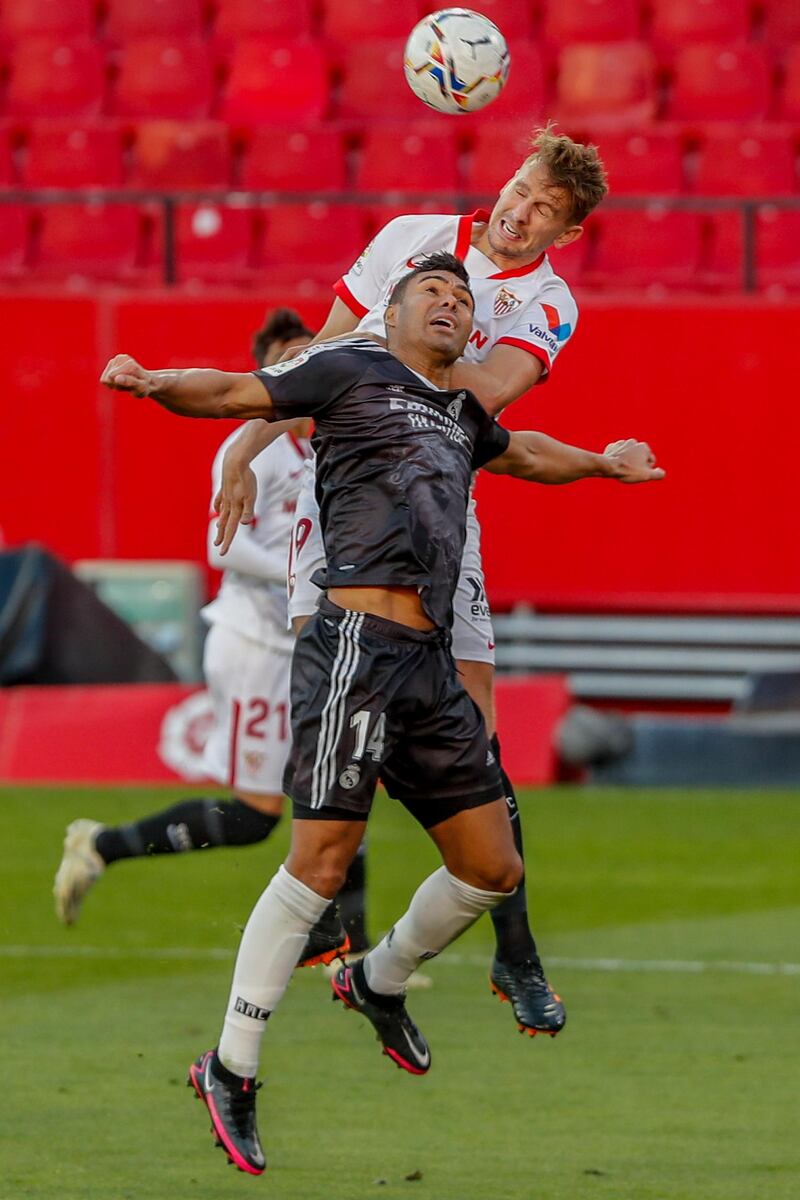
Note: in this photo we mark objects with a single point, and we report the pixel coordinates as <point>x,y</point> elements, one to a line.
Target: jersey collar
<point>464,241</point>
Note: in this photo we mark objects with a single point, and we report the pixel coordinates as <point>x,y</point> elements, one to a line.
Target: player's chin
<point>441,338</point>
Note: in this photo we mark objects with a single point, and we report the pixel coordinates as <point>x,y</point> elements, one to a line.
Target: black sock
<point>188,825</point>
<point>510,918</point>
<point>352,902</point>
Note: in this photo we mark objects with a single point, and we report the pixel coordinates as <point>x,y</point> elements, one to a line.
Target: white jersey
<point>530,307</point>
<point>252,597</point>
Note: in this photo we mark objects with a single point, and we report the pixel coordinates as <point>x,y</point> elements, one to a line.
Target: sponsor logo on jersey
<point>418,260</point>
<point>478,339</point>
<point>358,266</point>
<point>559,330</point>
<point>423,416</point>
<point>505,302</point>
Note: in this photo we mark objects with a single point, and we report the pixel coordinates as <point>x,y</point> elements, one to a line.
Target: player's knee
<point>503,874</point>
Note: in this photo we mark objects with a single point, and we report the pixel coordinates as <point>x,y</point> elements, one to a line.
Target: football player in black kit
<point>374,689</point>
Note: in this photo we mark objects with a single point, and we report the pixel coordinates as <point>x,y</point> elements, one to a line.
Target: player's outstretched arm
<point>191,393</point>
<point>541,459</point>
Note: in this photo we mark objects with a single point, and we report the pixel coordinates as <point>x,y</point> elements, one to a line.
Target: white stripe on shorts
<point>343,672</point>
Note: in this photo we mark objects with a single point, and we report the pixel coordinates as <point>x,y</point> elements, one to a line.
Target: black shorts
<point>370,699</point>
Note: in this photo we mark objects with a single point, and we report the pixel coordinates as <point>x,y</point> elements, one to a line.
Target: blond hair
<point>575,167</point>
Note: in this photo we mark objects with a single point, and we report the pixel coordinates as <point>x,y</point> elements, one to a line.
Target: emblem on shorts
<point>490,759</point>
<point>505,302</point>
<point>350,776</point>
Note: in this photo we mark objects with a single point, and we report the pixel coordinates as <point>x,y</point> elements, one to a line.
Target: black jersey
<point>394,460</point>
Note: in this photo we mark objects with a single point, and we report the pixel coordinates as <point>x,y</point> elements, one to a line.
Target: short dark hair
<point>442,260</point>
<point>282,325</point>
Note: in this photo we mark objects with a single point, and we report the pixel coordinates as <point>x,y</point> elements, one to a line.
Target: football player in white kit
<point>524,315</point>
<point>246,663</point>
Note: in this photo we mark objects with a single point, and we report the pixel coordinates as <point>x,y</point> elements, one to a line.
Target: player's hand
<point>125,374</point>
<point>235,501</point>
<point>634,462</point>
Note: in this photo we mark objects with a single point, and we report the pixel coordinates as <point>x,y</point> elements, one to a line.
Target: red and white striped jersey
<point>529,307</point>
<point>252,597</point>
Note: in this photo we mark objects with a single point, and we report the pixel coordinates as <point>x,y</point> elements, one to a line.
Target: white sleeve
<point>544,327</point>
<point>248,557</point>
<point>362,287</point>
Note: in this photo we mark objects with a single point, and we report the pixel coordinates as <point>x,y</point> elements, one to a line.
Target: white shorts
<point>249,687</point>
<point>473,636</point>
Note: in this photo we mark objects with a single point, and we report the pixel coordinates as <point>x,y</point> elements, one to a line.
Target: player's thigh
<point>441,761</point>
<point>306,555</point>
<point>477,846</point>
<point>249,687</point>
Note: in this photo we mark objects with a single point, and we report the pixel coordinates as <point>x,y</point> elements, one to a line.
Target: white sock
<point>441,908</point>
<point>271,944</point>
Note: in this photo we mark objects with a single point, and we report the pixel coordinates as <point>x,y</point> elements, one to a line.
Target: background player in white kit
<point>524,315</point>
<point>246,663</point>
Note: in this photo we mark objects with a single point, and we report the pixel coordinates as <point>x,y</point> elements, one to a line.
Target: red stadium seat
<point>313,241</point>
<point>181,154</point>
<point>276,83</point>
<point>647,248</point>
<point>734,163</point>
<point>404,160</point>
<point>118,243</point>
<point>347,20</point>
<point>381,214</point>
<point>685,22</point>
<point>153,18</point>
<point>720,83</point>
<point>514,17</point>
<point>569,21</point>
<point>66,154</point>
<point>59,18</point>
<point>523,97</point>
<point>606,83</point>
<point>262,18</point>
<point>14,240</point>
<point>790,89</point>
<point>165,77</point>
<point>641,163</point>
<point>218,243</point>
<point>722,266</point>
<point>781,22</point>
<point>7,173</point>
<point>778,249</point>
<point>373,85</point>
<point>495,154</point>
<point>52,77</point>
<point>294,161</point>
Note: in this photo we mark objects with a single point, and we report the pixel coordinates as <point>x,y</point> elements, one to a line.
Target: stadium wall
<point>92,474</point>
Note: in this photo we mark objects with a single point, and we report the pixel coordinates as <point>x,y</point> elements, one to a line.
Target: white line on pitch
<point>452,959</point>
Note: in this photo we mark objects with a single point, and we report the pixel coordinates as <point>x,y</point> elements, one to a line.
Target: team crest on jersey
<point>350,776</point>
<point>454,407</point>
<point>505,302</point>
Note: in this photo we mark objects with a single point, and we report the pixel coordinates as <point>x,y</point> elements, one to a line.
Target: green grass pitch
<point>676,1077</point>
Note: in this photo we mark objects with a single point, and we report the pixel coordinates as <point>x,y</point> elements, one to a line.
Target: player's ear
<point>568,237</point>
<point>390,316</point>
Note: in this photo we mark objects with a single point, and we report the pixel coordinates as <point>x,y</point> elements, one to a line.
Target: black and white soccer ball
<point>456,61</point>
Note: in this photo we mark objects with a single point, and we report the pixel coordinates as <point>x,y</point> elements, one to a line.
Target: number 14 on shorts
<point>365,742</point>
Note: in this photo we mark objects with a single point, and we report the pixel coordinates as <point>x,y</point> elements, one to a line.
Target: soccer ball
<point>456,60</point>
